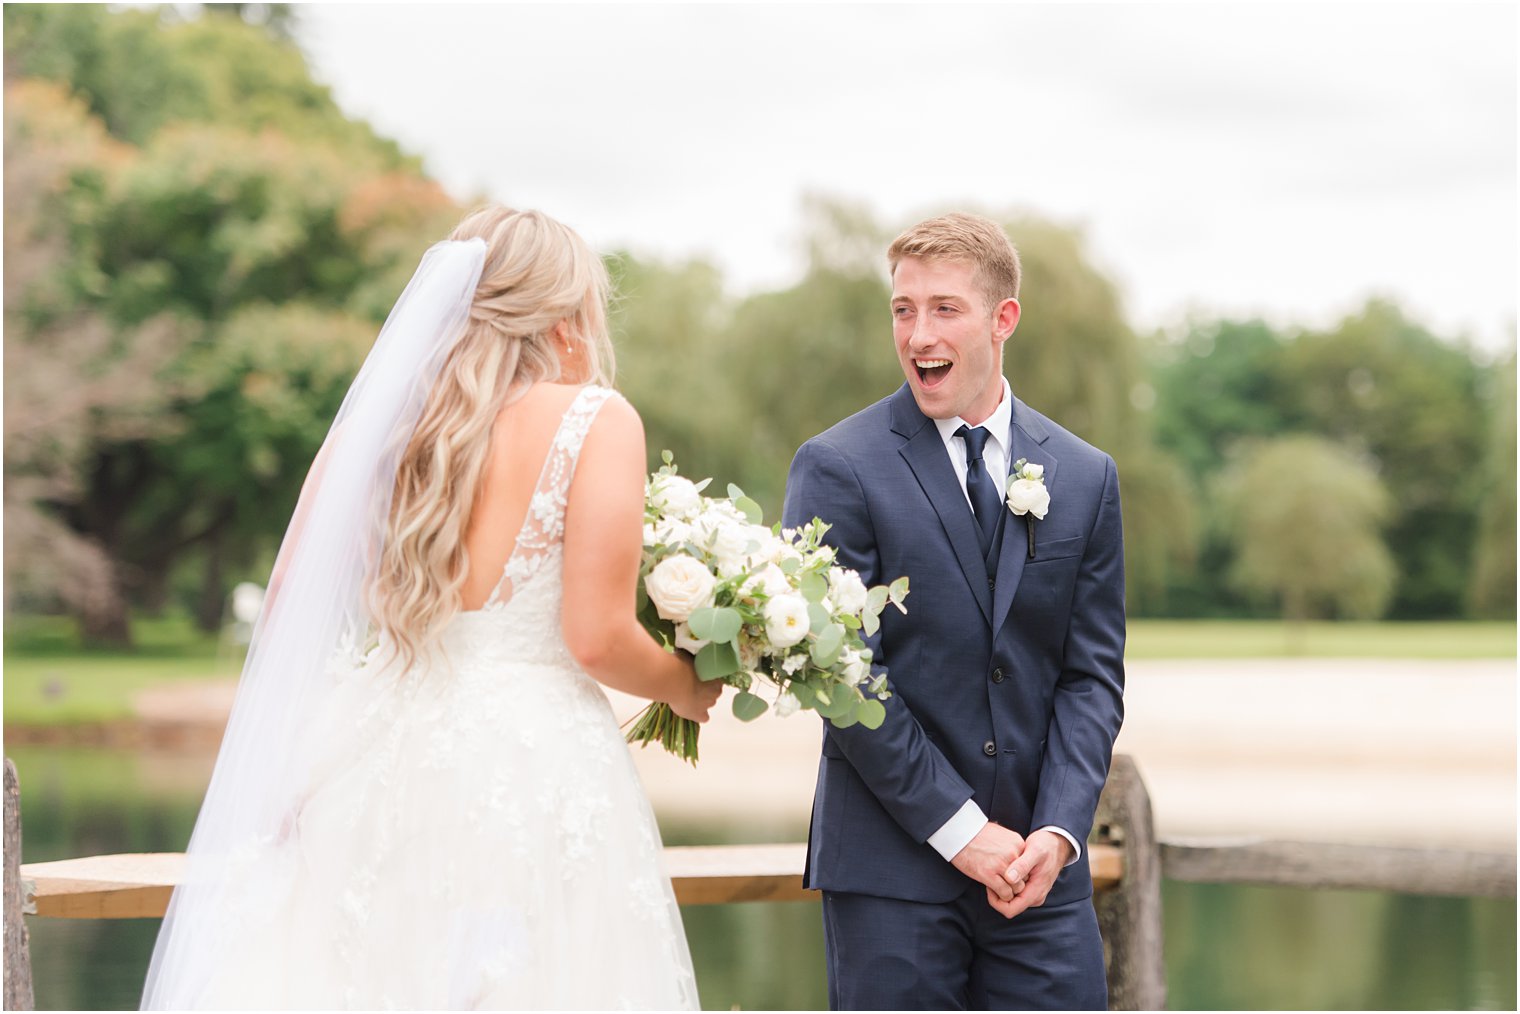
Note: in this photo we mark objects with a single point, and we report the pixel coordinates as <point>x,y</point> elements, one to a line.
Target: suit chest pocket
<point>1046,587</point>
<point>1052,550</point>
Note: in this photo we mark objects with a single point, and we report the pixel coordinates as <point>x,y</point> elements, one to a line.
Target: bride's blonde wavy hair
<point>537,273</point>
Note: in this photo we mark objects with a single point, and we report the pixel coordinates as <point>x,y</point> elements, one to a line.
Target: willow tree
<point>1304,518</point>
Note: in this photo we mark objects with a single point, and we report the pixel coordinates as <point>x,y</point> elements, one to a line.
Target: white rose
<point>737,545</point>
<point>727,541</point>
<point>787,704</point>
<point>856,668</point>
<point>1025,496</point>
<point>686,642</point>
<point>1032,471</point>
<point>679,586</point>
<point>673,532</point>
<point>674,495</point>
<point>847,590</point>
<point>786,620</point>
<point>770,581</point>
<point>778,551</point>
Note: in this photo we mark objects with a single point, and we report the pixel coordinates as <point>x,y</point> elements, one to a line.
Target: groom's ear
<point>1004,319</point>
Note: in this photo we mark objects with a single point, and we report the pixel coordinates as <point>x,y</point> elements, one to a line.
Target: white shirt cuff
<point>957,832</point>
<point>1076,850</point>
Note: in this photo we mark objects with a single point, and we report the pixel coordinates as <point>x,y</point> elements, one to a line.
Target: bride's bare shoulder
<point>543,406</point>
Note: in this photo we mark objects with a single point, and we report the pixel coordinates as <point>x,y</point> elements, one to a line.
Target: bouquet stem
<point>676,734</point>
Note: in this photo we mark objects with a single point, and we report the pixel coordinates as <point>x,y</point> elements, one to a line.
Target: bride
<point>422,799</point>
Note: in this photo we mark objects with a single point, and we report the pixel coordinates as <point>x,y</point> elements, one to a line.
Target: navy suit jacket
<point>1009,692</point>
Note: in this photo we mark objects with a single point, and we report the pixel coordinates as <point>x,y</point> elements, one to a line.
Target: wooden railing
<point>1127,865</point>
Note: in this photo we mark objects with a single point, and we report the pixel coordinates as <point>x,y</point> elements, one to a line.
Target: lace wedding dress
<point>475,835</point>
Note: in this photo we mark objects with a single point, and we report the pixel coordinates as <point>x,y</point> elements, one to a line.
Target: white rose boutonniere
<point>1027,495</point>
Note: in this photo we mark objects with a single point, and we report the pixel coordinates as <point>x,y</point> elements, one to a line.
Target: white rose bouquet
<point>766,610</point>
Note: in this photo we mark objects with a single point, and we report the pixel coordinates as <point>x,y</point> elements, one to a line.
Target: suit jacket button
<point>989,748</point>
<point>997,676</point>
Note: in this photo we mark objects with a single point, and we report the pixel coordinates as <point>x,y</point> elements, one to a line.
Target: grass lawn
<point>51,680</point>
<point>1273,639</point>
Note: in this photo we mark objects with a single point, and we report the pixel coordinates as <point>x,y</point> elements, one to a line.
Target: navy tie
<point>985,501</point>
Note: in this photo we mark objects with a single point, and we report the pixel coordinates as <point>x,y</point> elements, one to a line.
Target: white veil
<point>315,614</point>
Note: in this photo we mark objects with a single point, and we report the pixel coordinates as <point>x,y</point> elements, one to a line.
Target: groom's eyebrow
<point>931,299</point>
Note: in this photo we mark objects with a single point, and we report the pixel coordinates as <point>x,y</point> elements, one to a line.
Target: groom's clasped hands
<point>1018,872</point>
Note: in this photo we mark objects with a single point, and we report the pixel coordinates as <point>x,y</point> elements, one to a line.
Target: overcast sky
<point>1285,160</point>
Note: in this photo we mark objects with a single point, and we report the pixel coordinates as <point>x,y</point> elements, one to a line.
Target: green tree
<point>141,70</point>
<point>668,324</point>
<point>234,260</point>
<point>1303,516</point>
<point>71,373</point>
<point>1493,574</point>
<point>1222,384</point>
<point>1419,409</point>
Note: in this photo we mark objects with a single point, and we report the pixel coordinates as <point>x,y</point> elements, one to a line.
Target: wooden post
<point>1129,916</point>
<point>18,958</point>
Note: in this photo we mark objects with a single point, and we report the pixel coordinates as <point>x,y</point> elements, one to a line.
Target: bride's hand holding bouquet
<point>764,610</point>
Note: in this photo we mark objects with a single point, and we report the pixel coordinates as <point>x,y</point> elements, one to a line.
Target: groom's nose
<point>921,339</point>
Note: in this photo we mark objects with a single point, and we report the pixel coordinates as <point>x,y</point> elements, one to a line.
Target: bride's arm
<point>604,524</point>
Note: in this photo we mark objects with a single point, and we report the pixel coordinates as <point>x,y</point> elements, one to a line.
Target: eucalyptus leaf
<point>748,707</point>
<point>813,587</point>
<point>898,592</point>
<point>751,510</point>
<point>715,624</point>
<point>824,658</point>
<point>841,704</point>
<point>716,661</point>
<point>869,623</point>
<point>845,720</point>
<point>789,565</point>
<point>818,618</point>
<point>830,641</point>
<point>876,599</point>
<point>871,713</point>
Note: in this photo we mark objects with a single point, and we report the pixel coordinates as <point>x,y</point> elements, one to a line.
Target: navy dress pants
<point>887,954</point>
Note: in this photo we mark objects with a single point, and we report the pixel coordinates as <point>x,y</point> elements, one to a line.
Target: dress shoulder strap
<point>544,527</point>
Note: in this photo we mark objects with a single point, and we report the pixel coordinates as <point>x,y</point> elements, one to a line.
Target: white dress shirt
<point>968,821</point>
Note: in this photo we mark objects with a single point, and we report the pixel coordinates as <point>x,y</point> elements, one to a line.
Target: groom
<point>949,843</point>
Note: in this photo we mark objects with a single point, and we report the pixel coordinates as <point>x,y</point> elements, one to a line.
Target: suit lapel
<point>925,455</point>
<point>1028,436</point>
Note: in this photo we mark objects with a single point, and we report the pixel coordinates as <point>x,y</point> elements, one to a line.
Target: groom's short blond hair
<point>958,236</point>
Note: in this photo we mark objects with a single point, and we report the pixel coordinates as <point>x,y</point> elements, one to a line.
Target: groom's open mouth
<point>931,371</point>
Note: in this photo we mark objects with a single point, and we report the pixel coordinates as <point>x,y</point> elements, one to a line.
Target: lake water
<point>1226,946</point>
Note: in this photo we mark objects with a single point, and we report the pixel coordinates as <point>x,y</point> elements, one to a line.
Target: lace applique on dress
<point>544,527</point>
